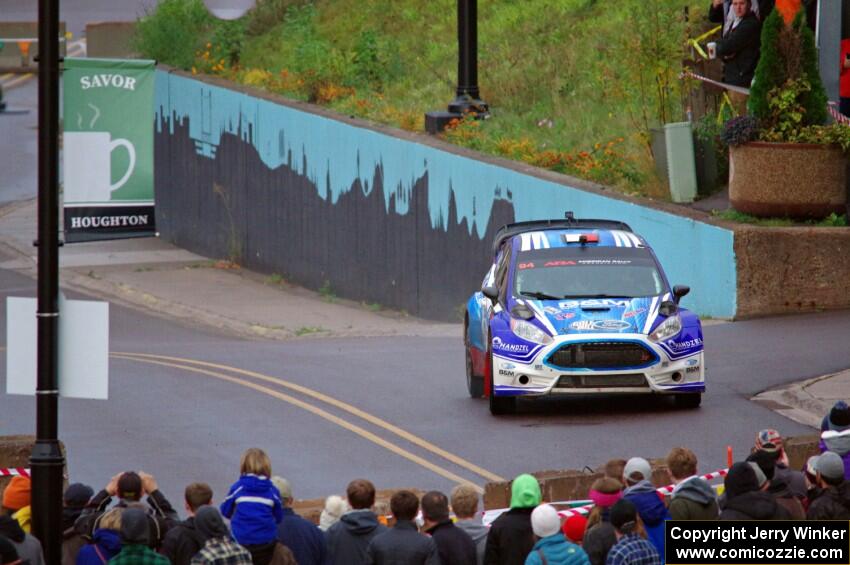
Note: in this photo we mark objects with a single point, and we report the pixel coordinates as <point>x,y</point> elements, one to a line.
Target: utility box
<point>681,164</point>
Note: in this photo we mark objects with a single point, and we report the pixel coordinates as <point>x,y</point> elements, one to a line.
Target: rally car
<point>579,307</point>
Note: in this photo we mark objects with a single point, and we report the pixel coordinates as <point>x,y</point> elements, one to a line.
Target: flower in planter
<point>739,131</point>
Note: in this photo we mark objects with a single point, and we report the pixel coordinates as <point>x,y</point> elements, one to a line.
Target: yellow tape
<point>695,42</point>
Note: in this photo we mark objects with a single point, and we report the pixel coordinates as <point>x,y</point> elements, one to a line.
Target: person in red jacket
<point>844,80</point>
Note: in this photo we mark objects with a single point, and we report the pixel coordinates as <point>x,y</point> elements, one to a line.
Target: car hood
<point>597,315</point>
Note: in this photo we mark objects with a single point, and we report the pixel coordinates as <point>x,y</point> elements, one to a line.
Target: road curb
<point>795,402</point>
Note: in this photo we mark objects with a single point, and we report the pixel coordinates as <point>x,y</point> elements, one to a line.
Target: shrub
<point>739,131</point>
<point>173,32</point>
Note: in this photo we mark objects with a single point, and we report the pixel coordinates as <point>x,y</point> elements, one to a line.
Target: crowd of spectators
<point>130,521</point>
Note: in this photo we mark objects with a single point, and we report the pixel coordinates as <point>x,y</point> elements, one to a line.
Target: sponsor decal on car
<point>687,344</point>
<point>694,369</point>
<point>499,345</point>
<point>528,265</point>
<point>508,366</point>
<point>558,263</point>
<point>552,310</point>
<point>594,303</point>
<point>565,315</point>
<point>633,313</point>
<point>604,262</point>
<point>538,367</point>
<point>600,325</point>
<point>691,362</point>
<point>505,373</point>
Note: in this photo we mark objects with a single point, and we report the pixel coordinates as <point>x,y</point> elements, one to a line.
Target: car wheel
<point>692,400</point>
<point>499,405</point>
<point>474,383</point>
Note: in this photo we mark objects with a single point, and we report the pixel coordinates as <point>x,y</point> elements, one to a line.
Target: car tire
<point>499,405</point>
<point>474,383</point>
<point>691,400</point>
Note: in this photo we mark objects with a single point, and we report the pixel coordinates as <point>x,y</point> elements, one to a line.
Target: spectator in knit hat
<point>464,501</point>
<point>746,499</point>
<point>551,547</point>
<point>183,539</point>
<point>403,543</point>
<point>692,497</point>
<point>8,553</point>
<point>130,487</point>
<point>454,546</point>
<point>135,540</point>
<point>106,541</point>
<point>574,528</point>
<point>350,536</point>
<point>16,501</point>
<point>74,500</point>
<point>835,434</point>
<point>832,501</point>
<point>770,441</point>
<point>511,537</point>
<point>600,535</point>
<point>302,537</point>
<point>631,547</point>
<point>219,548</point>
<point>642,493</point>
<point>335,507</point>
<point>777,488</point>
<point>28,547</point>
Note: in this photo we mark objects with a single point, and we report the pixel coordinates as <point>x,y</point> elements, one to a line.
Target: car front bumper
<point>539,376</point>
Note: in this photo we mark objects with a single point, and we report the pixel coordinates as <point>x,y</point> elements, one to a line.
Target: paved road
<point>185,421</point>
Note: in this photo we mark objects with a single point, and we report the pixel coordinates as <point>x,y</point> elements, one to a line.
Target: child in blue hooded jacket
<point>253,503</point>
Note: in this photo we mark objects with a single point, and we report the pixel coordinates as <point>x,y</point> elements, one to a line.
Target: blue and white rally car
<point>579,307</point>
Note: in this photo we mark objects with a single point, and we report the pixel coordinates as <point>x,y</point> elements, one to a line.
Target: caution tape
<point>15,472</point>
<point>727,86</point>
<point>840,118</point>
<point>491,515</point>
<point>695,42</point>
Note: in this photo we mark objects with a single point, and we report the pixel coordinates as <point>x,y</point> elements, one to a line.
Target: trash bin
<point>681,164</point>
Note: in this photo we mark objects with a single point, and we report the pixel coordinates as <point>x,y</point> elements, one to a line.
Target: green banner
<point>108,148</point>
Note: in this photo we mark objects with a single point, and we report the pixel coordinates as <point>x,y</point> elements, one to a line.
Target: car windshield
<point>586,272</point>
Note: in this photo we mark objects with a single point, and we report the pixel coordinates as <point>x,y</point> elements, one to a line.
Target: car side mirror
<point>680,291</point>
<point>490,291</point>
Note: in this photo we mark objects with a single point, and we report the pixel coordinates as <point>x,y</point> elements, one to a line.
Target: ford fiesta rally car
<point>579,307</point>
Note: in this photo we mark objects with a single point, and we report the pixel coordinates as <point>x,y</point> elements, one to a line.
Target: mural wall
<point>371,216</point>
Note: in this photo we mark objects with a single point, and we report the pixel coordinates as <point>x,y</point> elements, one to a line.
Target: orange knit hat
<point>17,494</point>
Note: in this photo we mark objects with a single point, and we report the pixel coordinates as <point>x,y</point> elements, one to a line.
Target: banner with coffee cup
<point>108,149</point>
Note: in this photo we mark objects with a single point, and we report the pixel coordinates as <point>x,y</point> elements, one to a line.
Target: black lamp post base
<point>436,121</point>
<point>469,105</point>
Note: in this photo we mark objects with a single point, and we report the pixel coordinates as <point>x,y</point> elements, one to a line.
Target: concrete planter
<point>787,179</point>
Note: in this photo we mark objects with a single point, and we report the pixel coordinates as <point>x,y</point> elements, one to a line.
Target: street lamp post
<point>47,461</point>
<point>467,97</point>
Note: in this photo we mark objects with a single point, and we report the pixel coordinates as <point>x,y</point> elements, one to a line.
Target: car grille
<point>601,355</point>
<point>631,380</point>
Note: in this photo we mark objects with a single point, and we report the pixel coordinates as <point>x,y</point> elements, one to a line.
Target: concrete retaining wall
<point>792,270</point>
<point>110,40</point>
<point>375,213</point>
<point>11,58</point>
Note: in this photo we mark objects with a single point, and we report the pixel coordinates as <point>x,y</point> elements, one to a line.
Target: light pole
<point>467,97</point>
<point>47,461</point>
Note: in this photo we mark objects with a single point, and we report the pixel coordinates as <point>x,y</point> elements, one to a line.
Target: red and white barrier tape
<point>491,515</point>
<point>840,118</point>
<point>727,86</point>
<point>15,472</point>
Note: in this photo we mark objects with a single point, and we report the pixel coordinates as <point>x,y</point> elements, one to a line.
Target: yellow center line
<point>366,434</point>
<point>16,81</point>
<point>416,440</point>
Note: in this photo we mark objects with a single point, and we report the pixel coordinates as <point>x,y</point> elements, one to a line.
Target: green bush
<point>173,32</point>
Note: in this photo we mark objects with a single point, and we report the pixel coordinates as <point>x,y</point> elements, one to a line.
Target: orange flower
<point>788,9</point>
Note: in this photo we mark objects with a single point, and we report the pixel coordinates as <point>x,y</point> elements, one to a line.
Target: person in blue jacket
<point>253,503</point>
<point>642,493</point>
<point>551,547</point>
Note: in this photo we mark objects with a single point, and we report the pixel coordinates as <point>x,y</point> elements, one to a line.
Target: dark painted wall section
<point>273,220</point>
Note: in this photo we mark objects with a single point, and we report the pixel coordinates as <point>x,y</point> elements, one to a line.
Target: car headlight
<point>530,332</point>
<point>668,328</point>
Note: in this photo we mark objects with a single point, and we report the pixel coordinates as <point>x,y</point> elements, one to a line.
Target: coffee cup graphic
<point>87,164</point>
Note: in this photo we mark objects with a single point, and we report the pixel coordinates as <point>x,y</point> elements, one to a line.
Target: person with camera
<point>738,47</point>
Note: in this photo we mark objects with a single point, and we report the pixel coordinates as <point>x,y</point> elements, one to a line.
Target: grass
<point>307,330</point>
<point>326,292</point>
<point>568,89</point>
<point>831,221</point>
<point>274,279</point>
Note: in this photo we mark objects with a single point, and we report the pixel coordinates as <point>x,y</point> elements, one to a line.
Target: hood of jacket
<point>837,441</point>
<point>108,539</point>
<point>254,484</point>
<point>757,505</point>
<point>474,527</point>
<point>359,522</point>
<point>10,528</point>
<point>649,505</point>
<point>525,492</point>
<point>696,489</point>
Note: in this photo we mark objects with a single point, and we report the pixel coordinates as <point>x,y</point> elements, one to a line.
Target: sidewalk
<point>151,275</point>
<point>158,278</point>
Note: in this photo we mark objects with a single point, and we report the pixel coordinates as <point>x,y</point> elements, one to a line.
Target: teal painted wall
<point>338,154</point>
